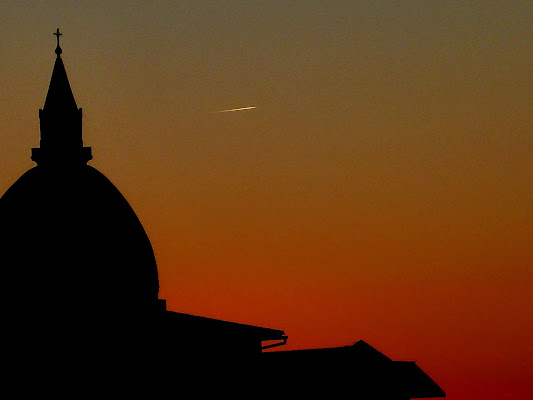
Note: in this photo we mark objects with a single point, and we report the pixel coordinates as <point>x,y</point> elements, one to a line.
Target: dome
<point>70,243</point>
<point>73,240</point>
<point>78,270</point>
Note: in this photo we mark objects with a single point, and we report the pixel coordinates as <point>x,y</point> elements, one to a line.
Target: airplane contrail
<point>236,109</point>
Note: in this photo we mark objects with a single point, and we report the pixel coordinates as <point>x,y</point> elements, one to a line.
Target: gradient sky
<point>382,188</point>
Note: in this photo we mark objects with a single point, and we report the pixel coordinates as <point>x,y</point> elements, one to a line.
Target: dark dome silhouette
<point>71,233</point>
<point>71,241</point>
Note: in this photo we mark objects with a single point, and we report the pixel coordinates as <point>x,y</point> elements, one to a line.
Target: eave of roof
<point>193,323</point>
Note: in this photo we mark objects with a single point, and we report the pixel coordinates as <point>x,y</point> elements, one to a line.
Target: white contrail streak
<point>236,109</point>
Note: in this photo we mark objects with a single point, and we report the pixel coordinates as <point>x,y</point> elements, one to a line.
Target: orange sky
<point>381,189</point>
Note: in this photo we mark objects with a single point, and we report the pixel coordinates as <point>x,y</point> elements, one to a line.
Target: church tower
<point>73,249</point>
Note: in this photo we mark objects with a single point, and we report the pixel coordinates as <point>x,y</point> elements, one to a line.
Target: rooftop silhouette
<point>82,287</point>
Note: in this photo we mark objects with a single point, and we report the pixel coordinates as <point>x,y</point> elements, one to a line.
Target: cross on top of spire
<point>58,49</point>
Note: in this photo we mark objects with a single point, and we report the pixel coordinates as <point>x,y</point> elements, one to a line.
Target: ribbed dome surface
<point>71,240</point>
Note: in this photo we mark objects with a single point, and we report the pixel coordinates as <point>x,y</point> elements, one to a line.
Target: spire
<point>60,120</point>
<point>59,95</point>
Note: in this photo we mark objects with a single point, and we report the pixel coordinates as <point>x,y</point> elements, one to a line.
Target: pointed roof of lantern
<point>60,96</point>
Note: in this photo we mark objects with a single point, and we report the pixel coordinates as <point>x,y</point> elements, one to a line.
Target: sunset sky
<point>381,189</point>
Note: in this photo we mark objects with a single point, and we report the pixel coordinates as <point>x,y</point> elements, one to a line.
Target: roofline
<point>264,333</point>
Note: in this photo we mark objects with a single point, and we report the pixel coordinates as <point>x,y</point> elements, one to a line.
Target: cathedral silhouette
<point>81,290</point>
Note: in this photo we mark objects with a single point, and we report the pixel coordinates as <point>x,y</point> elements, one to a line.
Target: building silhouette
<point>81,290</point>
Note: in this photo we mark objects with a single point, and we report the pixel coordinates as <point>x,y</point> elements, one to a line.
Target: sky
<point>381,189</point>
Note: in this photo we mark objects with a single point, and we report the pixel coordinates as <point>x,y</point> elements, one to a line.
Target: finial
<point>58,49</point>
